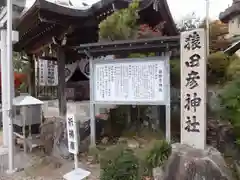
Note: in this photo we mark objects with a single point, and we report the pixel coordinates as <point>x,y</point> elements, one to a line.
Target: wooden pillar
<point>162,118</point>
<point>37,82</point>
<point>32,76</point>
<point>61,57</point>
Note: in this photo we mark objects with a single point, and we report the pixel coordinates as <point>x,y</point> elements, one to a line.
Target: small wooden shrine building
<point>50,30</point>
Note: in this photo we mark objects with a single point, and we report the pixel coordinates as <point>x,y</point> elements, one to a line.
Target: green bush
<point>220,67</point>
<point>120,25</point>
<point>175,72</point>
<point>149,156</point>
<point>230,105</point>
<point>141,55</point>
<point>124,166</point>
<point>117,121</point>
<point>233,70</point>
<point>95,154</point>
<point>158,154</point>
<point>217,67</point>
<point>110,154</point>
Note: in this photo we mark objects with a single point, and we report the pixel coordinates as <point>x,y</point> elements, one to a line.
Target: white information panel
<point>130,81</point>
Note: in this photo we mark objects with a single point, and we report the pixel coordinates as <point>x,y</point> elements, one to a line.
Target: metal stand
<point>77,173</point>
<point>75,161</point>
<point>92,124</point>
<point>168,101</point>
<point>92,105</point>
<point>24,130</point>
<point>163,101</point>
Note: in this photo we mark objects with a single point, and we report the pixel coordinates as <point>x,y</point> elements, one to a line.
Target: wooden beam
<point>61,56</point>
<point>158,44</point>
<point>32,85</point>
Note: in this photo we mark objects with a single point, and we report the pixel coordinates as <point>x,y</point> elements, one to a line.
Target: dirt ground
<point>42,169</point>
<point>37,166</point>
<point>48,172</point>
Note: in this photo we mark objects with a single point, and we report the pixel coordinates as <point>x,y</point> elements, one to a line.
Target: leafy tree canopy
<point>188,22</point>
<point>217,31</point>
<point>121,25</point>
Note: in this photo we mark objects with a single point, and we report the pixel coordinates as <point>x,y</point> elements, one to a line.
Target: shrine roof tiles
<point>45,19</point>
<point>230,12</point>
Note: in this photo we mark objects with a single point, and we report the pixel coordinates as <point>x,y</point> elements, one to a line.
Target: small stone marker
<point>77,174</point>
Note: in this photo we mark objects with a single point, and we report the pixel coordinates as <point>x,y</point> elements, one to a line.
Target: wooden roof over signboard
<point>123,47</point>
<point>45,20</point>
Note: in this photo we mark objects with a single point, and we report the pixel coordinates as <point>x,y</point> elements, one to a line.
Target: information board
<point>130,81</point>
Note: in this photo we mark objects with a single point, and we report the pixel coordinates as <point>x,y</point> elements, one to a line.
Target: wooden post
<point>32,77</point>
<point>61,81</point>
<point>37,82</point>
<point>162,118</point>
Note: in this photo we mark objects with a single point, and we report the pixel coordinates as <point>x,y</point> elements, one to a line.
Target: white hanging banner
<point>84,67</point>
<point>42,73</point>
<point>48,72</point>
<point>52,78</point>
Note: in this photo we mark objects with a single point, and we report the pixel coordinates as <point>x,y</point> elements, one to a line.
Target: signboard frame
<point>166,80</point>
<point>166,88</point>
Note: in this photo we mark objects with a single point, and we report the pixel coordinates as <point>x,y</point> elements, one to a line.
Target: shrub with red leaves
<point>146,31</point>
